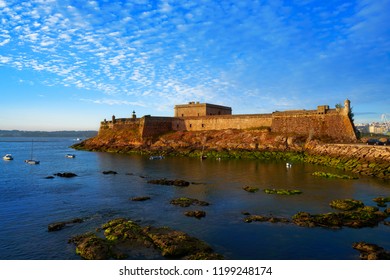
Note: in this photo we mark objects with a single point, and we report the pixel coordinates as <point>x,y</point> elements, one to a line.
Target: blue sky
<point>67,65</point>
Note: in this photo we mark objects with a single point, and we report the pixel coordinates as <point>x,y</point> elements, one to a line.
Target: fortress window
<point>190,125</point>
<point>182,115</point>
<point>202,124</point>
<point>177,126</point>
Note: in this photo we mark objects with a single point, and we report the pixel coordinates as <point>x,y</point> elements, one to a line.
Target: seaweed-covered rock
<point>121,230</point>
<point>366,216</point>
<point>177,244</point>
<point>333,176</point>
<point>381,201</point>
<point>196,214</point>
<point>250,189</point>
<point>346,204</point>
<point>91,247</point>
<point>260,218</point>
<point>186,202</point>
<point>123,235</point>
<point>176,182</point>
<point>370,251</point>
<point>282,191</point>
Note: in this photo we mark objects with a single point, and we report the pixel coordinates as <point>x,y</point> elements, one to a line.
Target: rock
<point>91,247</point>
<point>367,216</point>
<point>140,198</point>
<point>250,189</point>
<point>56,226</point>
<point>60,225</point>
<point>381,201</point>
<point>260,218</point>
<point>196,214</point>
<point>109,172</point>
<point>282,191</point>
<point>370,251</point>
<point>177,244</point>
<point>186,202</point>
<point>125,235</point>
<point>346,204</point>
<point>178,183</point>
<point>65,175</point>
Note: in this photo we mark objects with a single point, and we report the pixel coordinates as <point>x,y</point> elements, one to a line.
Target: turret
<point>347,107</point>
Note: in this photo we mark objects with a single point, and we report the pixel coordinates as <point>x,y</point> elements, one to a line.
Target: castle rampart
<point>332,124</point>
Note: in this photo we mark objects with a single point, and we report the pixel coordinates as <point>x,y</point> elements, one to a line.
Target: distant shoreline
<point>62,133</point>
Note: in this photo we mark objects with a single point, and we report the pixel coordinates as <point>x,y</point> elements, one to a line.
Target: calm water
<point>29,202</point>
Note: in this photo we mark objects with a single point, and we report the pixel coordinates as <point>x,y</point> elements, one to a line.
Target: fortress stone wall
<point>331,124</point>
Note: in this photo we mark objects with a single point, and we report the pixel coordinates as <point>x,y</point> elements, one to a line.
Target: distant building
<point>196,109</point>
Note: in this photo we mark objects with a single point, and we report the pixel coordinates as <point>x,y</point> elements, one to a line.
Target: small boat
<point>70,155</point>
<point>31,160</point>
<point>288,165</point>
<point>156,157</point>
<point>8,157</point>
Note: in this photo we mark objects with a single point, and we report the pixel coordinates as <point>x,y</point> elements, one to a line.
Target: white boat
<point>70,155</point>
<point>155,157</point>
<point>8,157</point>
<point>31,160</point>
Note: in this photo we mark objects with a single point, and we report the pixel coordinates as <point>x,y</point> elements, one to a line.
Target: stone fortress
<point>325,123</point>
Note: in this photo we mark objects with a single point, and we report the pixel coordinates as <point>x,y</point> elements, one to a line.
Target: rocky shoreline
<point>255,143</point>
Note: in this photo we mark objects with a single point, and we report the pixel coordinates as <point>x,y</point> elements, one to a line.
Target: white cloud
<point>5,59</point>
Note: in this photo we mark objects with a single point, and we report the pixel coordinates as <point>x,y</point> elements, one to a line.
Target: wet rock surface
<point>108,172</point>
<point>346,204</point>
<point>176,182</point>
<point>140,198</point>
<point>60,225</point>
<point>123,235</point>
<point>65,174</point>
<point>369,251</point>
<point>196,214</point>
<point>355,215</point>
<point>282,191</point>
<point>186,202</point>
<point>250,189</point>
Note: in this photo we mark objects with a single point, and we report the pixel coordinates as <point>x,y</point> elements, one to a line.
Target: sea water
<point>29,202</point>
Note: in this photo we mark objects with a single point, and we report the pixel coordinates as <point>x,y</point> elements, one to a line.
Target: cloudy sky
<point>69,64</point>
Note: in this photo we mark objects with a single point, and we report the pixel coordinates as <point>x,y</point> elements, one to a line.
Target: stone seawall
<point>357,158</point>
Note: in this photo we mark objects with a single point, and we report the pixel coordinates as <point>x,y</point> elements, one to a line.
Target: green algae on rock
<point>123,235</point>
<point>369,251</point>
<point>332,176</point>
<point>366,216</point>
<point>176,182</point>
<point>91,247</point>
<point>261,218</point>
<point>282,191</point>
<point>346,204</point>
<point>186,202</point>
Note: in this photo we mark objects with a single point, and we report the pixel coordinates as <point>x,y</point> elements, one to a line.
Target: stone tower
<point>347,107</point>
